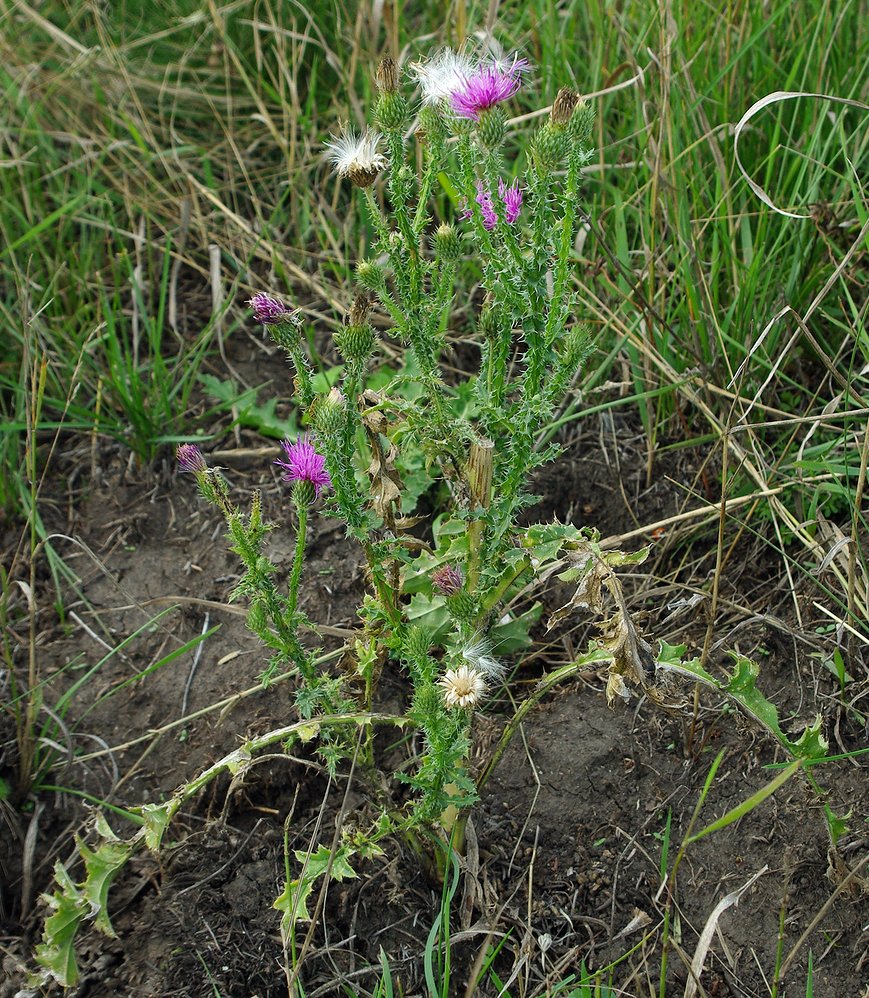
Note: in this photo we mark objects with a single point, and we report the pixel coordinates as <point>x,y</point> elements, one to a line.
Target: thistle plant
<point>432,608</point>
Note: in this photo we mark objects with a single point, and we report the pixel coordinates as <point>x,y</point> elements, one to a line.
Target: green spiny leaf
<point>56,953</point>
<point>156,819</point>
<point>293,900</point>
<point>102,865</point>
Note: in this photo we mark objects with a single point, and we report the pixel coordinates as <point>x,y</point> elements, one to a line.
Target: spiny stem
<point>298,560</point>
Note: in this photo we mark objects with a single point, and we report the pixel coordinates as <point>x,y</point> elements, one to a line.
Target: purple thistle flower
<point>448,580</point>
<point>304,464</point>
<point>512,198</point>
<point>517,66</point>
<point>190,458</point>
<point>271,311</point>
<point>485,88</point>
<point>487,209</point>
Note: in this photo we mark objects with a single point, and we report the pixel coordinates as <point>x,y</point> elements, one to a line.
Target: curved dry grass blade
<point>705,940</point>
<point>776,98</point>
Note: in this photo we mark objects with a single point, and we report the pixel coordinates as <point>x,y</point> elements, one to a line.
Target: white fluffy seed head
<point>441,75</point>
<point>479,656</point>
<point>356,156</point>
<point>463,687</point>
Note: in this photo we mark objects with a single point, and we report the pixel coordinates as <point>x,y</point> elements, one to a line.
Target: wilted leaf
<point>385,480</point>
<point>596,585</point>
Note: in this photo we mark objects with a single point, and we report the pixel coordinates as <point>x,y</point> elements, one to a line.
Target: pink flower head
<point>512,198</point>
<point>486,87</point>
<point>304,464</point>
<point>487,209</point>
<point>190,458</point>
<point>448,580</point>
<point>271,311</point>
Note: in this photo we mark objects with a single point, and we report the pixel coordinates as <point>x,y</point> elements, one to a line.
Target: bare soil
<point>563,855</point>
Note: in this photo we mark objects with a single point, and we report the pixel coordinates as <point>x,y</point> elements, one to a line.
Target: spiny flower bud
<point>582,121</point>
<point>490,128</point>
<point>391,107</point>
<point>448,247</point>
<point>448,580</point>
<point>387,75</point>
<point>432,129</point>
<point>330,413</point>
<point>427,703</point>
<point>563,106</point>
<point>417,643</point>
<point>190,458</point>
<point>462,606</point>
<point>257,618</point>
<point>488,319</point>
<point>549,146</point>
<point>576,344</point>
<point>356,343</point>
<point>356,340</point>
<point>304,493</point>
<point>370,275</point>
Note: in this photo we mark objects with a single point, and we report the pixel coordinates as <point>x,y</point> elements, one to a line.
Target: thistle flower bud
<point>330,413</point>
<point>356,340</point>
<point>190,458</point>
<point>563,106</point>
<point>448,580</point>
<point>288,335</point>
<point>391,107</point>
<point>417,643</point>
<point>577,343</point>
<point>387,75</point>
<point>370,275</point>
<point>582,121</point>
<point>549,146</point>
<point>490,128</point>
<point>432,129</point>
<point>257,618</point>
<point>428,702</point>
<point>488,320</point>
<point>304,493</point>
<point>462,607</point>
<point>448,247</point>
